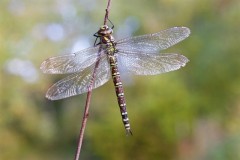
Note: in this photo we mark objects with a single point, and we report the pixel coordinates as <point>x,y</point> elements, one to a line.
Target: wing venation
<point>153,43</point>
<point>70,63</point>
<point>151,64</point>
<point>78,83</point>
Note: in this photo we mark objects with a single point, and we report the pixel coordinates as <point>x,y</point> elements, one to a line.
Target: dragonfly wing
<point>71,63</point>
<point>151,64</point>
<point>152,43</point>
<point>78,83</point>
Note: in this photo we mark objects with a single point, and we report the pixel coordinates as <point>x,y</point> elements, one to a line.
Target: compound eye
<point>102,27</point>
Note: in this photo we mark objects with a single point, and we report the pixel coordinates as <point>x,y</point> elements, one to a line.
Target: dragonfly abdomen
<point>119,92</point>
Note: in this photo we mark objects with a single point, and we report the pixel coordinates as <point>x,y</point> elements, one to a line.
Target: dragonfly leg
<point>97,36</point>
<point>111,23</point>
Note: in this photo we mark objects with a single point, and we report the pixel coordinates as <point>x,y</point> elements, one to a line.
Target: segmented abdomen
<point>119,92</point>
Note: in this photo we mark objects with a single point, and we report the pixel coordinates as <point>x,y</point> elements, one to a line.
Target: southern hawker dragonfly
<point>137,55</point>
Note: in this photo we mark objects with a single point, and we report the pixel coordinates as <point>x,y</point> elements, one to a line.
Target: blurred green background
<point>189,114</point>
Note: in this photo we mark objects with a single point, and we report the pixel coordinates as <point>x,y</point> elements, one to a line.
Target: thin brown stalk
<point>89,94</point>
<point>107,12</point>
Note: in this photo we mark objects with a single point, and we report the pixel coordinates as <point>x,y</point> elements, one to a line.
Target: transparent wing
<point>152,43</point>
<point>70,63</point>
<point>78,83</point>
<point>150,64</point>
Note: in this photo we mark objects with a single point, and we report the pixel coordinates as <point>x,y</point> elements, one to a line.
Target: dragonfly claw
<point>128,132</point>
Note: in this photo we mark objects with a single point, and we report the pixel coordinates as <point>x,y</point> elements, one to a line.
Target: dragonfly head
<point>105,30</point>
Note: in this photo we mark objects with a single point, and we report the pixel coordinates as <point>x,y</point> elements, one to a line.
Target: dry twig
<point>89,94</point>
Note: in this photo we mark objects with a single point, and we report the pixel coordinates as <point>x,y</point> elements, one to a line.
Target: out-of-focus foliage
<point>188,114</point>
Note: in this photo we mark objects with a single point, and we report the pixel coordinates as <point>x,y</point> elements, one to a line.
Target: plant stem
<point>107,12</point>
<point>89,94</point>
<point>86,110</point>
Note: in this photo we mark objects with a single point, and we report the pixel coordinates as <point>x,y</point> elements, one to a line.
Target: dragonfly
<point>138,55</point>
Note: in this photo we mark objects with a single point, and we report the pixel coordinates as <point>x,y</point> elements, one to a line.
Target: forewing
<point>78,83</point>
<point>70,63</point>
<point>152,43</point>
<point>151,64</point>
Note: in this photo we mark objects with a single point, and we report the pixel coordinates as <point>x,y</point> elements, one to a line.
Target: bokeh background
<point>189,114</point>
